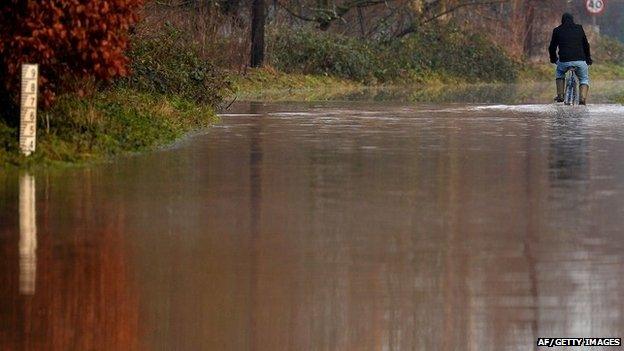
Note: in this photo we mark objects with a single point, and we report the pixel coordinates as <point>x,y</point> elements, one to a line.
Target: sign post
<point>595,8</point>
<point>28,108</point>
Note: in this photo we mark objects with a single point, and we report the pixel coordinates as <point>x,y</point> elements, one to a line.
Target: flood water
<point>385,225</point>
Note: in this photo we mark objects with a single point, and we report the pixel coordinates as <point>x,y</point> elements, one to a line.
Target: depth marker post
<point>28,108</point>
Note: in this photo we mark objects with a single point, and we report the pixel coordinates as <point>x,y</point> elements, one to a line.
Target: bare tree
<point>258,19</point>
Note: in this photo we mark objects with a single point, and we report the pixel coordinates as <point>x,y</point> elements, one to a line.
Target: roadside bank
<point>174,89</point>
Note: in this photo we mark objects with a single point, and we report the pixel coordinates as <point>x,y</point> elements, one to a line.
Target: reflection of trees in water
<point>83,298</point>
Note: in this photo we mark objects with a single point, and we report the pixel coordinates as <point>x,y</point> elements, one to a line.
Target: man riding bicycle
<point>574,52</point>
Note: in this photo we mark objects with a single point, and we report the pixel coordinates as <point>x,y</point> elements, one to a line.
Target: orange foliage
<point>77,38</point>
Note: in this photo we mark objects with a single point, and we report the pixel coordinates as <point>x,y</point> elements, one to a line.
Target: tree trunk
<point>529,44</point>
<point>518,27</point>
<point>258,18</point>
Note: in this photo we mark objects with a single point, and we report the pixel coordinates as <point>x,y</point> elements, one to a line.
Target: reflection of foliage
<point>85,298</point>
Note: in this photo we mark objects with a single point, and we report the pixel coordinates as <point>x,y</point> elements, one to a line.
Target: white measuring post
<point>28,108</point>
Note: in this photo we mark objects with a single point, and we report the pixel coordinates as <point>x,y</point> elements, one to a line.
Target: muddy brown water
<point>385,225</point>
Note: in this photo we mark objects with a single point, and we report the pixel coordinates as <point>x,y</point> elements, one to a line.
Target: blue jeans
<point>582,70</point>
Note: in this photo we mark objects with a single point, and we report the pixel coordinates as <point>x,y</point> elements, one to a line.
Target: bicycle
<point>571,96</point>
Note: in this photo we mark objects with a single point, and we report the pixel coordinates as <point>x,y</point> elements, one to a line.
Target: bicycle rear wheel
<point>571,91</point>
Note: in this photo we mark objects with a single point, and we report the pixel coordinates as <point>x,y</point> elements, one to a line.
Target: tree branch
<point>457,7</point>
<point>414,26</point>
<point>326,16</point>
<point>294,14</point>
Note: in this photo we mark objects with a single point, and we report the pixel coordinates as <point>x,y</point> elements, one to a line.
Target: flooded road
<point>328,226</point>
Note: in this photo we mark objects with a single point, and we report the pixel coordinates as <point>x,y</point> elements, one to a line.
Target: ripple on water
<point>551,108</point>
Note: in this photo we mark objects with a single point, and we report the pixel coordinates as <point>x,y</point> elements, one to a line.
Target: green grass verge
<point>110,123</point>
<point>545,72</point>
<point>268,84</point>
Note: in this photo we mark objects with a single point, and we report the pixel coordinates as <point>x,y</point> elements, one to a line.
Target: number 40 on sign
<point>595,6</point>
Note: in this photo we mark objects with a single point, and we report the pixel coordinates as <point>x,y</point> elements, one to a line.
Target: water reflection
<point>334,226</point>
<point>569,146</point>
<point>452,230</point>
<point>28,234</point>
<point>255,214</point>
<point>71,247</point>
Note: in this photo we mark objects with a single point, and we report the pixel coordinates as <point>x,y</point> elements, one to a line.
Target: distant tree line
<point>89,38</point>
<point>521,26</point>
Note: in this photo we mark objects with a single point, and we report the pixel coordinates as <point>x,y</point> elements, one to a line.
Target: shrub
<point>85,38</point>
<point>168,63</point>
<point>453,52</point>
<point>608,50</point>
<point>310,51</point>
<point>436,50</point>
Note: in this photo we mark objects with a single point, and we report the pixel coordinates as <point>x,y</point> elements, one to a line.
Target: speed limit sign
<point>595,7</point>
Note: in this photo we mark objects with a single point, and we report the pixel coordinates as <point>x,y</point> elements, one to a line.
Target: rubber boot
<point>560,90</point>
<point>583,91</point>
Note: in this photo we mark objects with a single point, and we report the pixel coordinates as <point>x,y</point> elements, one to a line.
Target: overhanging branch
<point>414,26</point>
<point>325,17</point>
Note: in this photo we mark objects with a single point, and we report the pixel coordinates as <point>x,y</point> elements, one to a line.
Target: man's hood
<point>567,19</point>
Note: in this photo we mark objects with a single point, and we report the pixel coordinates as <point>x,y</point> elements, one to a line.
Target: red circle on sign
<point>595,7</point>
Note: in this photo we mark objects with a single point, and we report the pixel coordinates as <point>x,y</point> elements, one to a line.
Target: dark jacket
<point>570,38</point>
